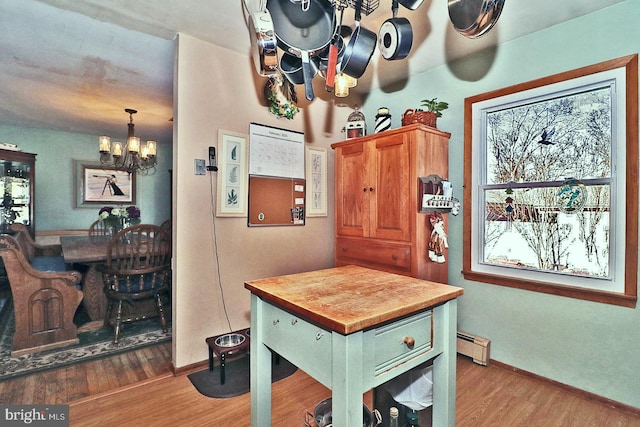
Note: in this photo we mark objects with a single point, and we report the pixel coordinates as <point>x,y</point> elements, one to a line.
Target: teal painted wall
<point>55,178</point>
<point>591,346</point>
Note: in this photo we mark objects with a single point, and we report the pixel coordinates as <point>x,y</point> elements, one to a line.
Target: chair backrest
<point>138,261</point>
<point>30,247</point>
<point>167,225</point>
<point>141,247</point>
<point>98,228</point>
<point>24,240</point>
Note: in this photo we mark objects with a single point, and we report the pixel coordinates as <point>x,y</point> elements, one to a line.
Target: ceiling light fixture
<point>131,156</point>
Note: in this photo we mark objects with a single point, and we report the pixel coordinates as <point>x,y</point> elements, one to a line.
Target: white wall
<point>591,346</point>
<point>218,89</point>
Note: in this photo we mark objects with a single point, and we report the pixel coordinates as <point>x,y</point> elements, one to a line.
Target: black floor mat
<point>237,378</point>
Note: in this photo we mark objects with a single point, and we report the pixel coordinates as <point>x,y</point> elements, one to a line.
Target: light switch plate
<point>200,168</point>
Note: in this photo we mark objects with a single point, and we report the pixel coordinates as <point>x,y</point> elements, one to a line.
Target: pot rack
<point>471,18</point>
<point>368,6</point>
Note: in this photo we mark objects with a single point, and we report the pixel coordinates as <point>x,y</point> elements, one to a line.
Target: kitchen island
<point>352,329</point>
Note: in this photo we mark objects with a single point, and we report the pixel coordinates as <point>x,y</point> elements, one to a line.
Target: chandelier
<point>130,156</point>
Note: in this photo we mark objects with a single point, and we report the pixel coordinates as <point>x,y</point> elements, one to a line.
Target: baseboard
<point>571,389</point>
<point>184,370</point>
<point>120,389</point>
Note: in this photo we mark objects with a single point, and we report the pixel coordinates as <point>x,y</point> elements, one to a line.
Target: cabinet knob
<point>364,189</point>
<point>371,189</point>
<point>394,257</point>
<point>409,341</point>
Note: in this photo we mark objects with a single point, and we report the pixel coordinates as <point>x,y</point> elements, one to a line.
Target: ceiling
<point>75,65</point>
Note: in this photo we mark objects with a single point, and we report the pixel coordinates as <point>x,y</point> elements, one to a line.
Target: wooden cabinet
<point>17,186</point>
<point>378,223</point>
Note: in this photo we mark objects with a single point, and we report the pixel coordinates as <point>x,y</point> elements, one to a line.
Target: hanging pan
<point>474,18</point>
<point>358,52</point>
<point>263,41</point>
<point>334,56</point>
<point>303,32</point>
<point>395,37</point>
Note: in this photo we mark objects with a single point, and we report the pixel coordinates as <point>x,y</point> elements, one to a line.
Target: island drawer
<point>401,341</point>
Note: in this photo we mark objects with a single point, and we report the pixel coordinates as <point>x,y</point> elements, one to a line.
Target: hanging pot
<point>358,52</point>
<point>296,37</point>
<point>322,415</point>
<point>335,55</point>
<point>411,4</point>
<point>474,18</point>
<point>395,37</point>
<point>263,42</point>
<point>291,67</point>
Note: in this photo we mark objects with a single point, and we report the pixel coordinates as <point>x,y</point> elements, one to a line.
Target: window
<point>551,185</point>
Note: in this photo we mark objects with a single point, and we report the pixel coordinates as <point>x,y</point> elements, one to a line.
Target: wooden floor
<point>89,378</point>
<point>144,392</point>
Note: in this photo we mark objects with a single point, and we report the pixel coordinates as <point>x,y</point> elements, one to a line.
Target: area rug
<point>237,379</point>
<point>93,345</point>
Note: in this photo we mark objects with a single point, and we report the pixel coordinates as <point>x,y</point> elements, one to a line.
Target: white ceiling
<point>74,65</point>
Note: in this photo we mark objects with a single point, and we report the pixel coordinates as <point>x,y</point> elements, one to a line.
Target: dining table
<point>91,251</point>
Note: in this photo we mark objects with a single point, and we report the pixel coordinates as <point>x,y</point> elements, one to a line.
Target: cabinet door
<point>352,191</point>
<point>391,192</point>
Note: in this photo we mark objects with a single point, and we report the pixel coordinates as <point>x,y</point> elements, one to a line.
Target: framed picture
<point>99,184</point>
<point>232,174</point>
<point>316,176</point>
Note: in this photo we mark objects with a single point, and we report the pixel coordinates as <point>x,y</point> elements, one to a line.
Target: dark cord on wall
<point>215,243</point>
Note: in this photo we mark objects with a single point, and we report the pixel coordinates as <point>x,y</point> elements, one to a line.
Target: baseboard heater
<point>474,347</point>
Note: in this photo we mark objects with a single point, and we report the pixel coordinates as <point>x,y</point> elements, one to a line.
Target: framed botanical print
<point>316,176</point>
<point>232,174</point>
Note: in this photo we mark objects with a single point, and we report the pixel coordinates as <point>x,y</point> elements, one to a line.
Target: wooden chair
<point>98,228</point>
<point>137,270</point>
<point>44,302</point>
<point>167,226</point>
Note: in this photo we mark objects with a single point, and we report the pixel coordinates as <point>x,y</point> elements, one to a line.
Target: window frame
<point>629,234</point>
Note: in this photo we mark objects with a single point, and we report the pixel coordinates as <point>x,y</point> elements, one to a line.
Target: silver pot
<point>474,18</point>
<point>323,417</point>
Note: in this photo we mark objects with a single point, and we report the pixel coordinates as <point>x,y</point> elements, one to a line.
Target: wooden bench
<point>44,301</point>
<point>41,257</point>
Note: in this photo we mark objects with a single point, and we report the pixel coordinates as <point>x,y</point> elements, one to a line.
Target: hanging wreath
<point>281,97</point>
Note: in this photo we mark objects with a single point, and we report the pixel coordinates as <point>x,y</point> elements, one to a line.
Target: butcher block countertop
<point>351,298</point>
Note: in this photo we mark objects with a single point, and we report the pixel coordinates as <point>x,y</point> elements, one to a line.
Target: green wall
<point>591,346</point>
<point>55,178</point>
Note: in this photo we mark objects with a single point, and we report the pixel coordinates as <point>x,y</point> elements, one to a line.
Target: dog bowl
<point>230,340</point>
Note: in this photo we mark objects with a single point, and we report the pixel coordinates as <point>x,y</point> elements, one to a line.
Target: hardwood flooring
<point>144,392</point>
<point>89,378</point>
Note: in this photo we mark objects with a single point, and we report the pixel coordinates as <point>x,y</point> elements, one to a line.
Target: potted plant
<point>427,115</point>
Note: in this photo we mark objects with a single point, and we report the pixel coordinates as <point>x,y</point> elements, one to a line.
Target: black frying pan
<point>360,48</point>
<point>303,33</point>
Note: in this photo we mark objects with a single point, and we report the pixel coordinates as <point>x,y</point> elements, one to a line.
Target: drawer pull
<point>294,321</point>
<point>319,335</point>
<point>409,341</point>
<point>275,322</point>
